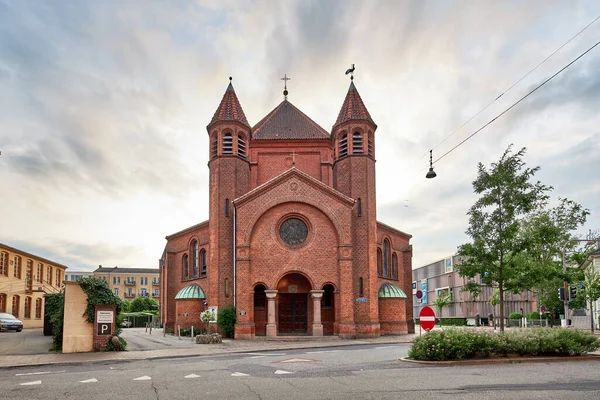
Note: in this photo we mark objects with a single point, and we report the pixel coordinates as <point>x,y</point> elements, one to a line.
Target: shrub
<point>55,307</point>
<point>536,315</point>
<point>457,344</point>
<point>207,316</point>
<point>515,315</point>
<point>453,321</point>
<point>226,320</point>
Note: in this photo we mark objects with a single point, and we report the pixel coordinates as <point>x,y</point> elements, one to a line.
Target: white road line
<point>143,378</point>
<point>31,383</point>
<point>239,374</point>
<point>265,354</point>
<point>257,357</point>
<point>39,373</point>
<point>281,372</point>
<point>192,376</point>
<point>89,380</point>
<point>322,351</point>
<point>386,347</point>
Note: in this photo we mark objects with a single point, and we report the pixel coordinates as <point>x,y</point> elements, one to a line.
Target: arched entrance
<point>292,308</point>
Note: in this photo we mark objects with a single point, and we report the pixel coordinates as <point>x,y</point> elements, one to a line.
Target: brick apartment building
<point>292,238</point>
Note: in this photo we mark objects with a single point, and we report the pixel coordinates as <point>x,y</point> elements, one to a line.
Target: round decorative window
<point>293,231</point>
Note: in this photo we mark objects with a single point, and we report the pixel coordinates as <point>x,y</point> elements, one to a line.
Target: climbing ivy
<point>98,292</point>
<point>55,308</point>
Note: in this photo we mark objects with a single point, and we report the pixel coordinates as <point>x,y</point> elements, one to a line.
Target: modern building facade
<point>129,283</point>
<point>292,239</point>
<point>74,276</point>
<point>440,278</point>
<point>24,280</point>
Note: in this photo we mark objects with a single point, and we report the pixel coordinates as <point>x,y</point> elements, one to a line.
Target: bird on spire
<point>351,72</point>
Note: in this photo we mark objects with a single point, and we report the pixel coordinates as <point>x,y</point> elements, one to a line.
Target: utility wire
<point>515,84</point>
<point>520,100</point>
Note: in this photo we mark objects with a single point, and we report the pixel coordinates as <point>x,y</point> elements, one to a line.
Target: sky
<point>104,107</point>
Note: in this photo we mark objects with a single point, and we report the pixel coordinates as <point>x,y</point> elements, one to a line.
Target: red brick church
<point>292,238</point>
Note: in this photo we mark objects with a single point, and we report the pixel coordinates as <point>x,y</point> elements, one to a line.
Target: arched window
<point>27,313</point>
<point>394,266</point>
<point>386,257</point>
<point>379,261</point>
<point>38,308</point>
<point>4,263</point>
<point>344,145</point>
<point>213,146</point>
<point>49,275</point>
<point>358,207</point>
<point>2,302</point>
<point>241,147</point>
<point>260,297</point>
<point>226,287</point>
<point>360,287</point>
<point>203,259</point>
<point>195,264</point>
<point>39,275</point>
<point>227,207</point>
<point>17,273</point>
<point>58,276</point>
<point>327,300</point>
<point>16,302</point>
<point>227,143</point>
<point>357,143</point>
<point>186,268</point>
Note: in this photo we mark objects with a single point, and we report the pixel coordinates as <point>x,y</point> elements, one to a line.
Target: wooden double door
<point>293,313</point>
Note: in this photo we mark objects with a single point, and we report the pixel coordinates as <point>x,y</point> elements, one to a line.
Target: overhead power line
<point>515,84</point>
<point>517,102</point>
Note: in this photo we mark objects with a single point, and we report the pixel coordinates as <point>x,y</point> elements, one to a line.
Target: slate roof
<point>113,270</point>
<point>353,108</point>
<point>230,109</point>
<point>287,122</point>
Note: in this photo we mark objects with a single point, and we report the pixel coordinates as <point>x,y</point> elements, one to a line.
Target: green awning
<point>193,291</point>
<point>389,291</point>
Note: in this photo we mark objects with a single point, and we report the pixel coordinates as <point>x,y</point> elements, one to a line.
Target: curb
<point>505,360</point>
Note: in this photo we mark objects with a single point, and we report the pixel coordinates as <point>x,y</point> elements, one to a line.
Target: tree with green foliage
<point>441,301</point>
<point>125,306</point>
<point>506,196</point>
<point>226,318</point>
<point>140,304</point>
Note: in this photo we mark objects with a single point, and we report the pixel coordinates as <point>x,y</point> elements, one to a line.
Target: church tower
<point>229,135</point>
<point>353,136</point>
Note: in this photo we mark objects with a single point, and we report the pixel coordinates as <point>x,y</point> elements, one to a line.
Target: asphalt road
<point>28,341</point>
<point>355,372</point>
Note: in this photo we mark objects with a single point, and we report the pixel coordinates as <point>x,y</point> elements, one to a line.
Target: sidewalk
<point>228,346</point>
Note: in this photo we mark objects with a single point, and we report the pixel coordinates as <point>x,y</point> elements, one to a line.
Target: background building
<point>129,283</point>
<point>24,279</point>
<point>74,276</point>
<point>440,278</point>
<point>292,238</point>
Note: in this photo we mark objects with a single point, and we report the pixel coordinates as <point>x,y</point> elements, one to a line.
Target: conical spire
<point>353,108</point>
<point>230,108</point>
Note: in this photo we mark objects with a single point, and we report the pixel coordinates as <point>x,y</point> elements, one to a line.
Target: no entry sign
<point>427,318</point>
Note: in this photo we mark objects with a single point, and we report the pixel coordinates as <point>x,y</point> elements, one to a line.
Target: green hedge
<point>458,344</point>
<point>448,321</point>
<point>515,315</point>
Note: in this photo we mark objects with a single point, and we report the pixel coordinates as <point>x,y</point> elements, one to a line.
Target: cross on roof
<point>285,79</point>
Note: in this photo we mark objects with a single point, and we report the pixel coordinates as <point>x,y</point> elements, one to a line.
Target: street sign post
<point>427,318</point>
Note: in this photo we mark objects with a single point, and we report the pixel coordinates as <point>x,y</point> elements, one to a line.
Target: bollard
<point>146,327</point>
<point>179,331</point>
<point>165,330</point>
<point>151,329</point>
<point>192,333</point>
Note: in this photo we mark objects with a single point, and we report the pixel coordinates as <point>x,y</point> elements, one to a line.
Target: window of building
<point>29,272</point>
<point>327,300</point>
<point>227,207</point>
<point>17,273</point>
<point>386,257</point>
<point>213,146</point>
<point>4,263</point>
<point>195,259</point>
<point>144,292</point>
<point>344,145</point>
<point>186,268</point>
<point>27,313</point>
<point>116,291</point>
<point>394,266</point>
<point>49,275</point>
<point>360,287</point>
<point>226,287</point>
<point>358,207</point>
<point>58,276</point>
<point>203,257</point>
<point>241,147</point>
<point>16,302</point>
<point>357,143</point>
<point>260,297</point>
<point>227,143</point>
<point>39,275</point>
<point>156,293</point>
<point>38,308</point>
<point>379,262</point>
<point>3,299</point>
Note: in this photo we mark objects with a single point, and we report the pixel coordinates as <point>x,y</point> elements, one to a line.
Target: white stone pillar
<point>271,324</point>
<point>317,328</point>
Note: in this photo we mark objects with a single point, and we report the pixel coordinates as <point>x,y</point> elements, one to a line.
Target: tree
<point>140,304</point>
<point>441,301</point>
<point>506,196</point>
<point>589,292</point>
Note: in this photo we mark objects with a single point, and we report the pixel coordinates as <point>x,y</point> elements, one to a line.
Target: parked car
<point>9,322</point>
<point>126,324</point>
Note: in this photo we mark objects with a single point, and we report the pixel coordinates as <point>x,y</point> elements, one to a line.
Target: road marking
<point>386,347</point>
<point>89,380</point>
<point>31,383</point>
<point>281,372</point>
<point>257,357</point>
<point>265,354</point>
<point>143,378</point>
<point>321,352</point>
<point>192,376</point>
<point>239,374</point>
<point>39,373</point>
<point>292,360</point>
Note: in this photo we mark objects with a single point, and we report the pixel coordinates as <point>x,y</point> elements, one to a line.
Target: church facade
<point>292,239</point>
